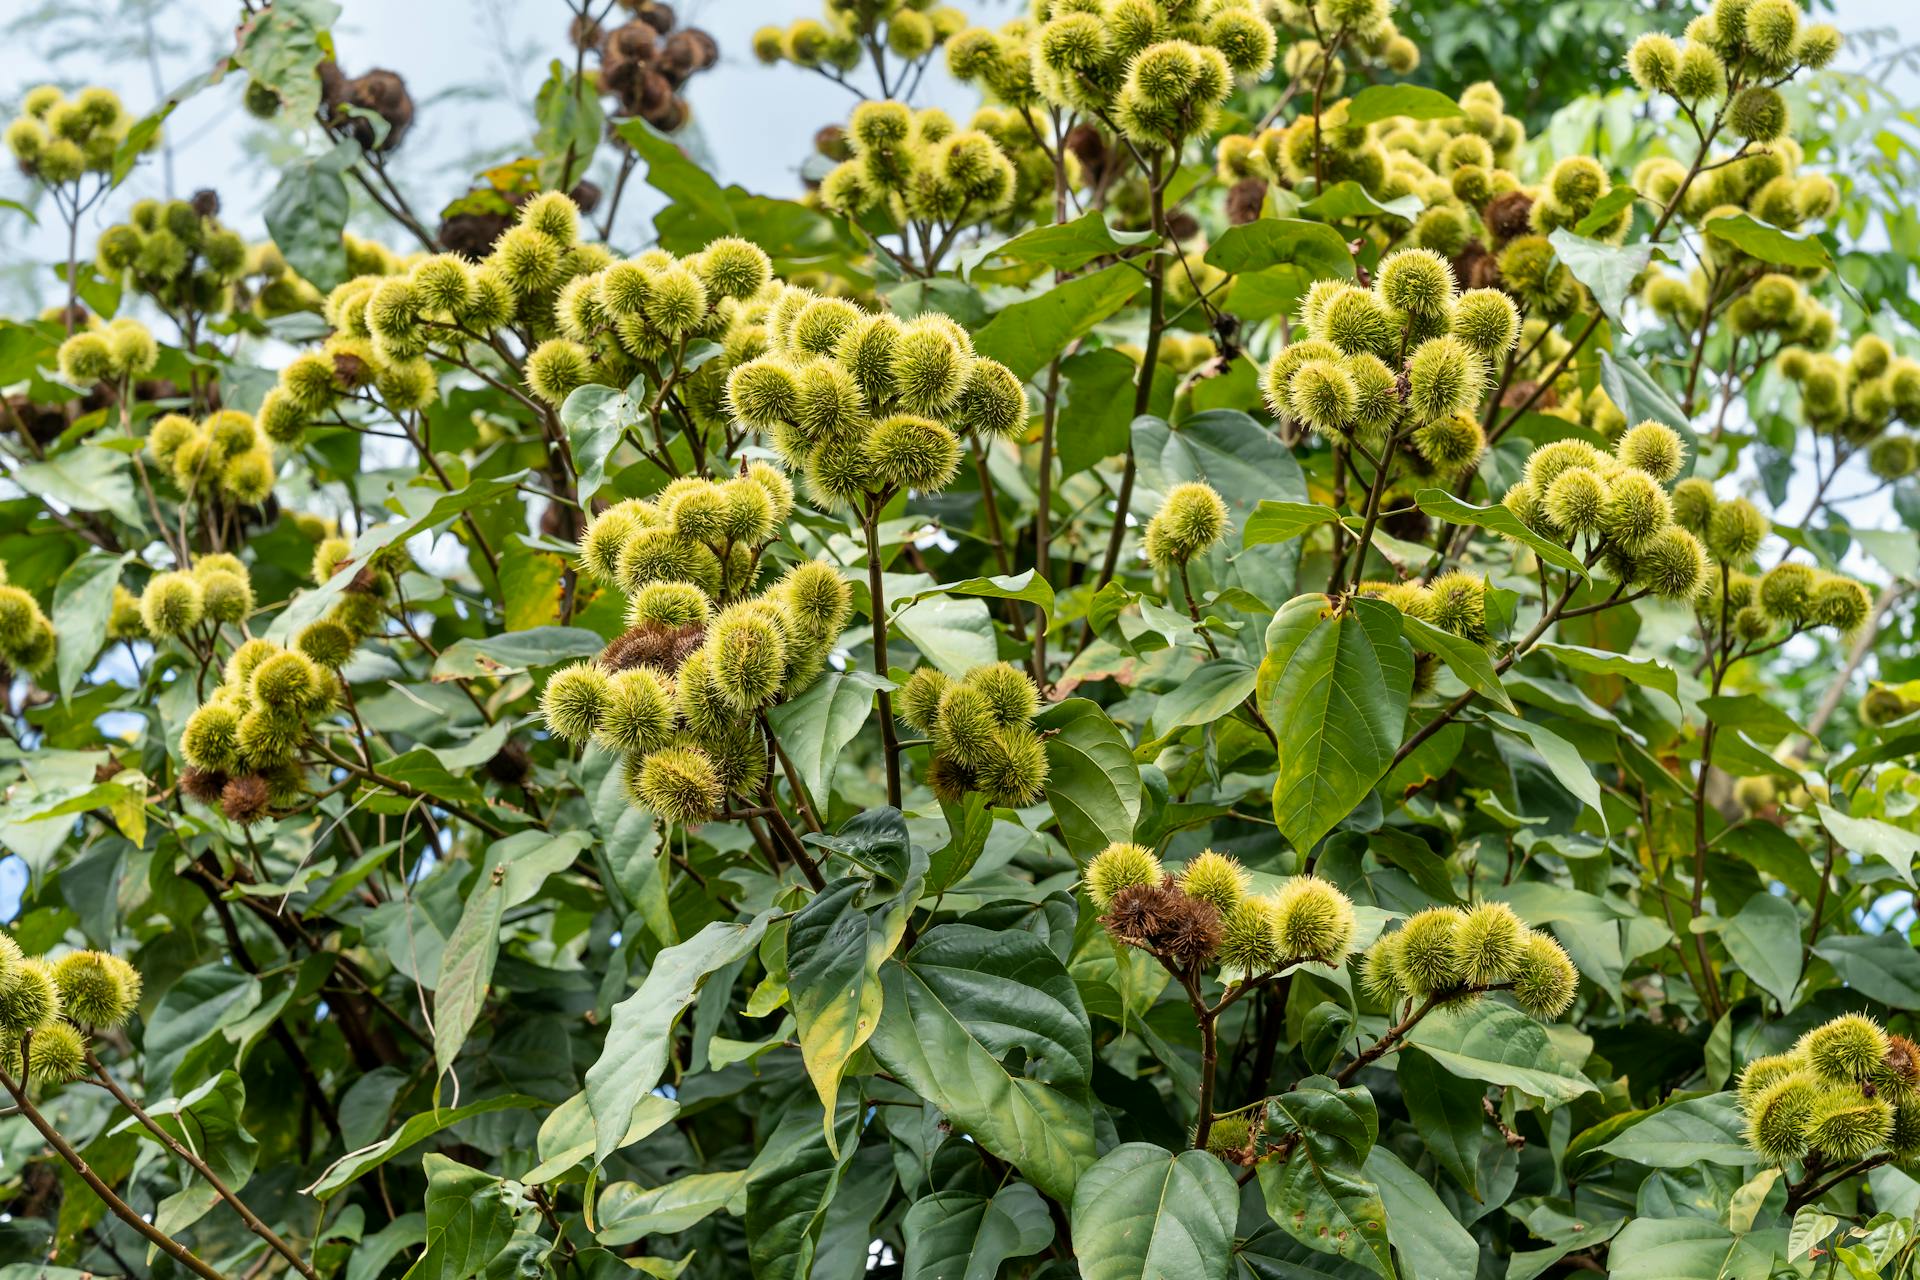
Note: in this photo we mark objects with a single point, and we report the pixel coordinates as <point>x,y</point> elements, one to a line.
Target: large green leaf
<point>1446,1109</point>
<point>1029,334</point>
<point>1098,412</point>
<point>1497,519</point>
<point>790,1186</point>
<point>641,1035</point>
<point>82,599</point>
<point>1314,247</point>
<point>417,1129</point>
<point>1896,846</point>
<point>835,947</point>
<point>1386,101</point>
<point>1466,659</point>
<point>1685,1134</point>
<point>1608,270</point>
<point>1560,757</point>
<point>628,1212</point>
<point>513,652</point>
<point>1068,246</point>
<point>1769,243</point>
<point>1650,672</point>
<point>1093,784</point>
<point>1320,1194</point>
<point>85,478</point>
<point>1334,686</point>
<point>1283,521</point>
<point>308,210</point>
<point>1754,939</point>
<point>1499,1044</point>
<point>466,967</point>
<point>961,1001</point>
<point>1657,1248</point>
<point>469,1221</point>
<point>1144,1213</point>
<point>962,1235</point>
<point>1430,1240</point>
<point>1205,695</point>
<point>813,727</point>
<point>595,418</point>
<point>1880,966</point>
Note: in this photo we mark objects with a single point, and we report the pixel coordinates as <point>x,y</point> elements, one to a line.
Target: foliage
<point>1205,674</point>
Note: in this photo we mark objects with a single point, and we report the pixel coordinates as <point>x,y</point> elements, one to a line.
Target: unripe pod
<point>1840,603</point>
<point>1653,447</point>
<point>29,998</point>
<point>1313,920</point>
<point>918,701</point>
<point>1380,971</point>
<point>1216,879</point>
<point>1780,1118</point>
<point>1013,770</point>
<point>1488,944</point>
<point>1847,1126</point>
<point>557,367</point>
<point>1250,938</point>
<point>1010,694</point>
<point>638,713</point>
<point>573,701</point>
<point>1673,565</point>
<point>747,658</point>
<point>1736,531</point>
<point>1576,501</point>
<point>1487,322</point>
<point>678,783</point>
<point>1193,519</point>
<point>171,604</point>
<point>1545,982</point>
<point>1846,1050</point>
<point>1119,866</point>
<point>1457,604</point>
<point>553,214</point>
<point>1416,281</point>
<point>1444,377</point>
<point>1637,510</point>
<point>1424,960</point>
<point>96,989</point>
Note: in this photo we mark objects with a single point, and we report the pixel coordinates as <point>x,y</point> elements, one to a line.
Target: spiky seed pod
<point>906,452</point>
<point>638,715</point>
<point>1250,938</point>
<point>748,658</point>
<point>1488,944</point>
<point>703,708</point>
<point>867,350</point>
<point>1013,771</point>
<point>557,367</point>
<point>963,725</point>
<point>1444,377</point>
<point>747,517</point>
<point>1693,505</point>
<point>1673,565</point>
<point>246,799</point>
<point>1637,509</point>
<point>1652,62</point>
<point>1846,1125</point>
<point>1576,501</point>
<point>59,1053</point>
<point>1416,281</point>
<point>918,701</point>
<point>1700,75</point>
<point>1893,457</point>
<point>1786,591</point>
<point>733,268</point>
<point>171,604</point>
<point>1545,464</point>
<point>225,597</point>
<point>1457,604</point>
<point>573,701</point>
<point>1452,445</point>
<point>694,509</point>
<point>929,367</point>
<point>1846,1050</point>
<point>20,619</point>
<point>606,535</point>
<point>1487,322</point>
<point>1216,879</point>
<point>1193,519</point>
<point>29,998</point>
<point>1780,1116</point>
<point>1322,394</point>
<point>992,403</point>
<point>526,261</point>
<point>1355,321</point>
<point>678,783</point>
<point>661,555</point>
<point>1380,971</point>
<point>1120,866</point>
<point>1314,920</point>
<point>211,737</point>
<point>1762,1073</point>
<point>326,642</point>
<point>1840,603</point>
<point>1424,955</point>
<point>819,325</point>
<point>1545,982</point>
<point>1010,692</point>
<point>286,681</point>
<point>1736,531</point>
<point>1817,46</point>
<point>1904,1140</point>
<point>778,488</point>
<point>1898,1074</point>
<point>251,653</point>
<point>817,598</point>
<point>85,359</point>
<point>168,435</point>
<point>1653,447</point>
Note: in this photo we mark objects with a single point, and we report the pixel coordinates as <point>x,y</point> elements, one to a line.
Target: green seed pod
<point>1637,510</point>
<point>96,990</point>
<point>29,998</point>
<point>238,672</point>
<point>1457,604</point>
<point>526,261</point>
<point>225,597</point>
<point>1762,1073</point>
<point>1444,377</point>
<point>747,658</point>
<point>661,555</point>
<point>1693,505</point>
<point>1847,1125</point>
<point>1487,322</point>
<point>1424,956</point>
<point>1653,61</point>
<point>1898,1075</point>
<point>1700,74</point>
<point>918,701</point>
<point>1736,531</point>
<point>1840,603</point>
<point>1011,696</point>
<point>1120,866</point>
<point>1488,944</point>
<point>574,700</point>
<point>733,268</point>
<point>1546,463</point>
<point>171,604</point>
<point>1417,282</point>
<point>287,681</point>
<point>85,359</point>
<point>867,351</point>
<point>1673,565</point>
<point>778,488</point>
<point>210,740</point>
<point>169,434</point>
<point>676,303</point>
<point>556,367</point>
<point>763,392</point>
<point>1545,982</point>
<point>326,642</point>
<point>1904,1140</point>
<point>695,509</point>
<point>911,453</point>
<point>669,604</point>
<point>1250,938</point>
<point>1452,445</point>
<point>678,783</point>
<point>1759,114</point>
<point>929,366</point>
<point>638,715</point>
<point>1322,394</point>
<point>963,725</point>
<point>819,326</point>
<point>59,1053</point>
<point>817,598</point>
<point>607,534</point>
<point>1576,501</point>
<point>1215,878</point>
<point>1652,447</point>
<point>993,402</point>
<point>1780,1117</point>
<point>1013,770</point>
<point>1846,1050</point>
<point>554,215</point>
<point>1380,971</point>
<point>1356,322</point>
<point>747,512</point>
<point>1893,457</point>
<point>1817,46</point>
<point>1786,591</point>
<point>1193,519</point>
<point>1314,920</point>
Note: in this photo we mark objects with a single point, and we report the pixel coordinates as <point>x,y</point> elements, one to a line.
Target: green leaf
<point>207,1121</point>
<point>627,1212</point>
<point>1560,757</point>
<point>1283,521</point>
<point>571,121</point>
<point>640,1036</point>
<point>1464,658</point>
<point>1652,1248</point>
<point>1320,1196</point>
<point>1498,520</point>
<point>835,947</point>
<point>1895,846</point>
<point>85,478</point>
<point>1029,334</point>
<point>469,1221</point>
<point>1143,1211</point>
<point>1769,243</point>
<point>1334,687</point>
<point>1880,966</point>
<point>1685,1134</point>
<point>1093,784</point>
<point>875,840</point>
<point>513,652</point>
<point>1205,695</point>
<point>351,1167</point>
<point>955,1007</point>
<point>961,1235</point>
<point>1098,412</point>
<point>1608,270</point>
<point>82,600</point>
<point>566,1135</point>
<point>790,1186</point>
<point>1648,672</point>
<point>1447,1111</point>
<point>596,418</point>
<point>1314,247</point>
<point>955,635</point>
<point>1431,1242</point>
<point>1753,939</point>
<point>1351,200</point>
<point>283,46</point>
<point>1499,1044</point>
<point>1638,397</point>
<point>1068,246</point>
<point>466,966</point>
<point>308,210</point>
<point>1028,586</point>
<point>1385,101</point>
<point>1605,208</point>
<point>687,186</point>
<point>814,726</point>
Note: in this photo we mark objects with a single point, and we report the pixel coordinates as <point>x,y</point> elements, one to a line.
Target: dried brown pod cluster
<point>379,92</point>
<point>646,62</point>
